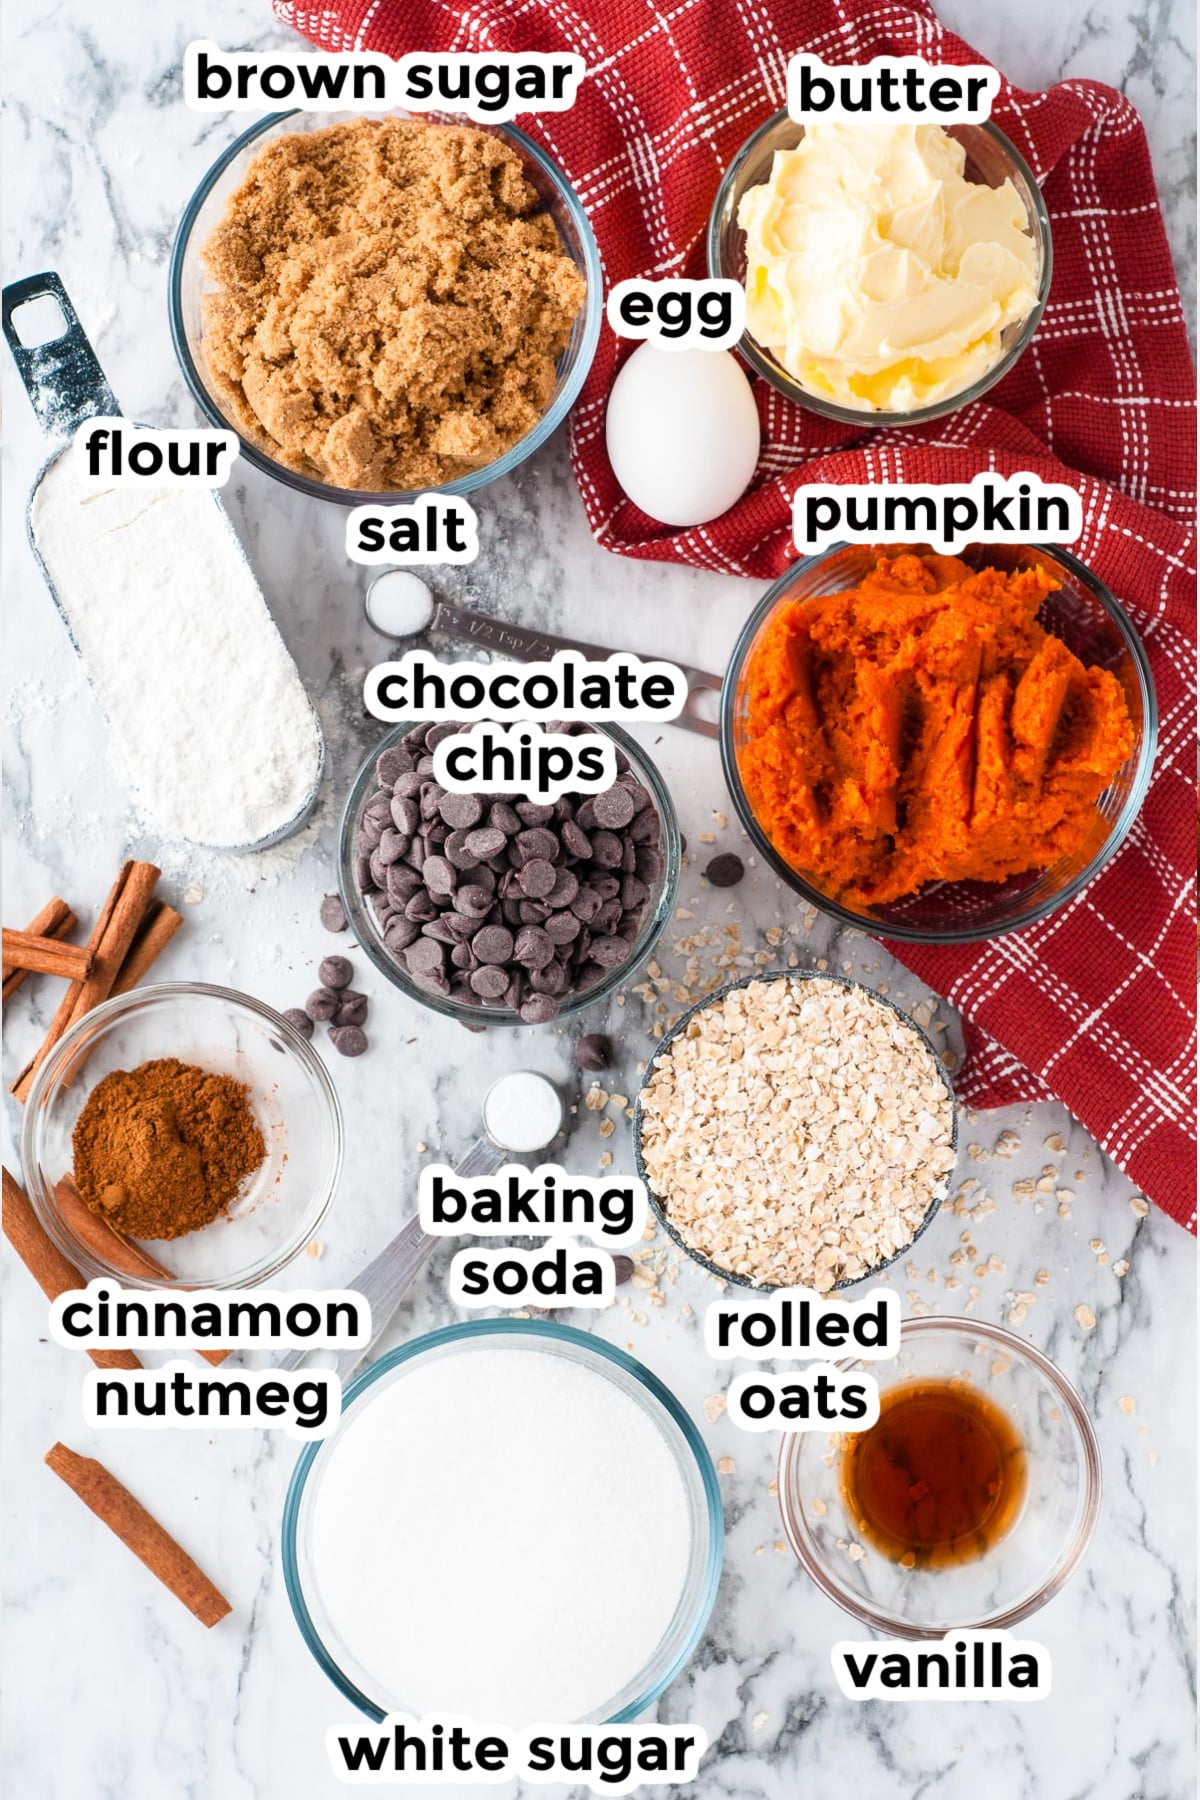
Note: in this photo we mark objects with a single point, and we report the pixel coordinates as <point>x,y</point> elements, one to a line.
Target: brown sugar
<point>392,303</point>
<point>164,1149</point>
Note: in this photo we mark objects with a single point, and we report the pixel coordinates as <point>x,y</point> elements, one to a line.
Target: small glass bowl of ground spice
<point>938,749</point>
<point>967,1506</point>
<point>182,1135</point>
<point>430,305</point>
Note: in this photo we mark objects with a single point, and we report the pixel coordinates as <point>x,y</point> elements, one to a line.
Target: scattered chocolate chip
<point>725,870</point>
<point>336,972</point>
<point>353,1009</point>
<point>300,1020</point>
<point>348,1040</point>
<point>333,913</point>
<point>321,1004</point>
<point>593,1051</point>
<point>622,1269</point>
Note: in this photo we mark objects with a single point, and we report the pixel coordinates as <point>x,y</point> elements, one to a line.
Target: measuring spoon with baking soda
<point>522,1114</point>
<point>400,605</point>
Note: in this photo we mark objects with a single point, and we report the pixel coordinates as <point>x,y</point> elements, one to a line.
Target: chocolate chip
<point>333,913</point>
<point>392,764</point>
<point>607,849</point>
<point>493,944</point>
<point>300,1020</point>
<point>644,829</point>
<point>425,957</point>
<point>489,981</point>
<point>461,810</point>
<point>553,979</point>
<point>593,1051</point>
<point>610,952</point>
<point>622,1269</point>
<point>534,812</point>
<point>336,972</point>
<point>585,814</point>
<point>562,928</point>
<point>725,870</point>
<point>353,1009</point>
<point>486,841</point>
<point>407,786</point>
<point>534,947</point>
<point>538,878</point>
<point>575,840</point>
<point>348,1040</point>
<point>614,808</point>
<point>405,815</point>
<point>650,865</point>
<point>422,907</point>
<point>400,932</point>
<point>402,883</point>
<point>539,1009</point>
<point>504,818</point>
<point>587,903</point>
<point>455,850</point>
<point>473,900</point>
<point>437,733</point>
<point>537,843</point>
<point>439,875</point>
<point>321,1004</point>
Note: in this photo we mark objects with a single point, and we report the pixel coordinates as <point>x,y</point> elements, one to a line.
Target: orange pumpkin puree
<point>924,727</point>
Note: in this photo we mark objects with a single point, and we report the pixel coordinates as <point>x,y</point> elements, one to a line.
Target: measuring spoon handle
<point>522,645</point>
<point>63,377</point>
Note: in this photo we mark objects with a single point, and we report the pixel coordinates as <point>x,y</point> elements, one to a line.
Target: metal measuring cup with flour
<point>210,722</point>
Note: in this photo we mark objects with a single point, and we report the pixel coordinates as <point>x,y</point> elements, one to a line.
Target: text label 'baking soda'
<point>679,315</point>
<point>114,453</point>
<point>543,1202</point>
<point>429,529</point>
<point>488,86</point>
<point>542,765</point>
<point>569,686</point>
<point>989,509</point>
<point>904,87</point>
<point>966,1665</point>
<point>823,1398</point>
<point>801,1322</point>
<point>447,1747</point>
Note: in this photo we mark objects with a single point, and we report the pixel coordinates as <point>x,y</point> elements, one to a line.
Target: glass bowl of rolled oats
<point>794,1130</point>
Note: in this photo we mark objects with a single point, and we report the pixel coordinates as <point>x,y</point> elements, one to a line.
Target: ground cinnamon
<point>164,1149</point>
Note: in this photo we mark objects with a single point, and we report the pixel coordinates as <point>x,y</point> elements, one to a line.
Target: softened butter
<point>876,274</point>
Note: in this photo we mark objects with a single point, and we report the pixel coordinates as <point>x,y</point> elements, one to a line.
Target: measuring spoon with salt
<point>401,606</point>
<point>522,1113</point>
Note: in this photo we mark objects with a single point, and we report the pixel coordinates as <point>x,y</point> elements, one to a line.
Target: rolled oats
<point>797,1131</point>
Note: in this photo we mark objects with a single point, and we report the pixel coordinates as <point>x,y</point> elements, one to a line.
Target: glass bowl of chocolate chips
<point>496,909</point>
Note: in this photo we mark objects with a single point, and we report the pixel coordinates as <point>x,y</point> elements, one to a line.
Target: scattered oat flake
<point>607,1127</point>
<point>1139,1206</point>
<point>779,1547</point>
<point>314,1249</point>
<point>596,1099</point>
<point>421,1146</point>
<point>1152,1457</point>
<point>714,1406</point>
<point>193,895</point>
<point>856,1553</point>
<point>1121,1268</point>
<point>1085,1318</point>
<point>606,1160</point>
<point>772,1486</point>
<point>725,1465</point>
<point>1055,1143</point>
<point>818,1508</point>
<point>1127,1403</point>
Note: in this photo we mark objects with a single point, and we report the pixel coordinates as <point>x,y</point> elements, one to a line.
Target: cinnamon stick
<point>51,1270</point>
<point>111,937</point>
<point>154,934</point>
<point>55,920</point>
<point>116,1507</point>
<point>39,955</point>
<point>105,1241</point>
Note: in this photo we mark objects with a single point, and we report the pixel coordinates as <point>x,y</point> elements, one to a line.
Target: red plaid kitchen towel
<point>1096,1005</point>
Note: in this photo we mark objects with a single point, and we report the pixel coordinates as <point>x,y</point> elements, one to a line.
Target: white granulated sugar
<point>209,718</point>
<point>501,1533</point>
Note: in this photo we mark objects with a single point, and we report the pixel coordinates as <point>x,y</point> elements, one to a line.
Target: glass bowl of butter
<point>893,272</point>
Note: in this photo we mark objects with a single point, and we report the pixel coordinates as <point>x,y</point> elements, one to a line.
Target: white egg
<point>682,433</point>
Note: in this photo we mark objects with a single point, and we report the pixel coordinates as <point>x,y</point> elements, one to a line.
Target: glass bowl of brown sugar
<point>181,1136</point>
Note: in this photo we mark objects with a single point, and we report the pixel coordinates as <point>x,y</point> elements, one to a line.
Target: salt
<point>399,604</point>
<point>497,1532</point>
<point>211,723</point>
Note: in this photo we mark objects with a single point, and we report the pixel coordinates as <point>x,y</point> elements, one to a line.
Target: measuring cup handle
<point>539,646</point>
<point>63,378</point>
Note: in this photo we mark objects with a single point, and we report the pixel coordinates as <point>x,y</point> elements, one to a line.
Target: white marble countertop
<point>111,1689</point>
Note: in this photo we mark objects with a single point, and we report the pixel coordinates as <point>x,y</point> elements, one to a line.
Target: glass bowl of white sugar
<point>513,1521</point>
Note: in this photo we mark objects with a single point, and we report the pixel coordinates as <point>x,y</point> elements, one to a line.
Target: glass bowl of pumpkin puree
<point>938,749</point>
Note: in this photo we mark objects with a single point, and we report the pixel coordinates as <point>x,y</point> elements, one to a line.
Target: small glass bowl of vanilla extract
<point>967,1505</point>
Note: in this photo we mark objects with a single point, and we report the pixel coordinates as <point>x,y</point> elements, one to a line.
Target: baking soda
<point>497,1532</point>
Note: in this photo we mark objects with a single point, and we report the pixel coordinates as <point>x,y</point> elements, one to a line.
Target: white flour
<point>208,715</point>
<point>501,1533</point>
